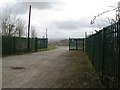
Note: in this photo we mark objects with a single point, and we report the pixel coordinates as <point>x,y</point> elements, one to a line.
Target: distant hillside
<point>64,42</point>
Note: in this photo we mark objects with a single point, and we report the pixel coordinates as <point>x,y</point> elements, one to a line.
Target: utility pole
<point>85,34</point>
<point>118,12</point>
<point>28,46</point>
<point>46,33</point>
<point>46,40</point>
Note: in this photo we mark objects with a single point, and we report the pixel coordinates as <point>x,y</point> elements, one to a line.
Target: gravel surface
<point>48,69</point>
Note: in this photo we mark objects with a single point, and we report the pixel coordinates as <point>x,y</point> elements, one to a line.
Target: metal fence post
<point>119,53</point>
<point>36,43</point>
<point>103,53</point>
<point>69,44</point>
<point>46,43</point>
<point>93,50</point>
<point>83,44</point>
<point>14,45</point>
<point>76,44</point>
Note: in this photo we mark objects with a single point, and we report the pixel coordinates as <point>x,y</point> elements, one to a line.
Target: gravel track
<point>40,69</point>
<point>57,68</point>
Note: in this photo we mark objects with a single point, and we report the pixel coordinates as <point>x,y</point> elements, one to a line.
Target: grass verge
<point>79,73</point>
<point>50,47</point>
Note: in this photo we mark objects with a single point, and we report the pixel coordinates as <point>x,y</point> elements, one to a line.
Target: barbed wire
<point>93,20</point>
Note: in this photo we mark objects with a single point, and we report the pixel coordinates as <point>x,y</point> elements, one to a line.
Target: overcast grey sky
<point>62,18</point>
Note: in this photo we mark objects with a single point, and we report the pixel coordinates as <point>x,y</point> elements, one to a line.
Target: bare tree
<point>33,32</point>
<point>19,29</point>
<point>10,25</point>
<point>4,23</point>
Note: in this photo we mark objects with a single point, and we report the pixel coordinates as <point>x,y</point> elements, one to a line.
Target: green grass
<point>50,47</point>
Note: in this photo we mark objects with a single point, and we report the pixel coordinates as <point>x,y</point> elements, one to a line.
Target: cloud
<point>78,24</point>
<point>22,7</point>
<point>72,24</point>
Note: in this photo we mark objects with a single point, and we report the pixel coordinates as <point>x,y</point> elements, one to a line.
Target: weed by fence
<point>103,49</point>
<point>12,45</point>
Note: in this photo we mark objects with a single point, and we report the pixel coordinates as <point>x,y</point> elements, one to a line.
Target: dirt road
<point>46,69</point>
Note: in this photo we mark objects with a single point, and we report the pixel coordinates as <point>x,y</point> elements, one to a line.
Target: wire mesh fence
<point>12,45</point>
<point>103,49</point>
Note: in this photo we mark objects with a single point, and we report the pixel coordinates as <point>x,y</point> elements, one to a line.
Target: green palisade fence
<point>76,44</point>
<point>103,49</point>
<point>13,45</point>
<point>8,45</point>
<point>20,44</point>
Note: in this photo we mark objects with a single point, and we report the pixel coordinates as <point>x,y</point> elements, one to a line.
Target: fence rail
<point>103,49</point>
<point>12,45</point>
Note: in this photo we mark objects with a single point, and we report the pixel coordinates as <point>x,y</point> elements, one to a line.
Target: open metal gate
<point>76,44</point>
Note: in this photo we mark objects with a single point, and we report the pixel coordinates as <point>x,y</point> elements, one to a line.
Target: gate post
<point>83,45</point>
<point>76,44</point>
<point>69,44</point>
<point>46,43</point>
